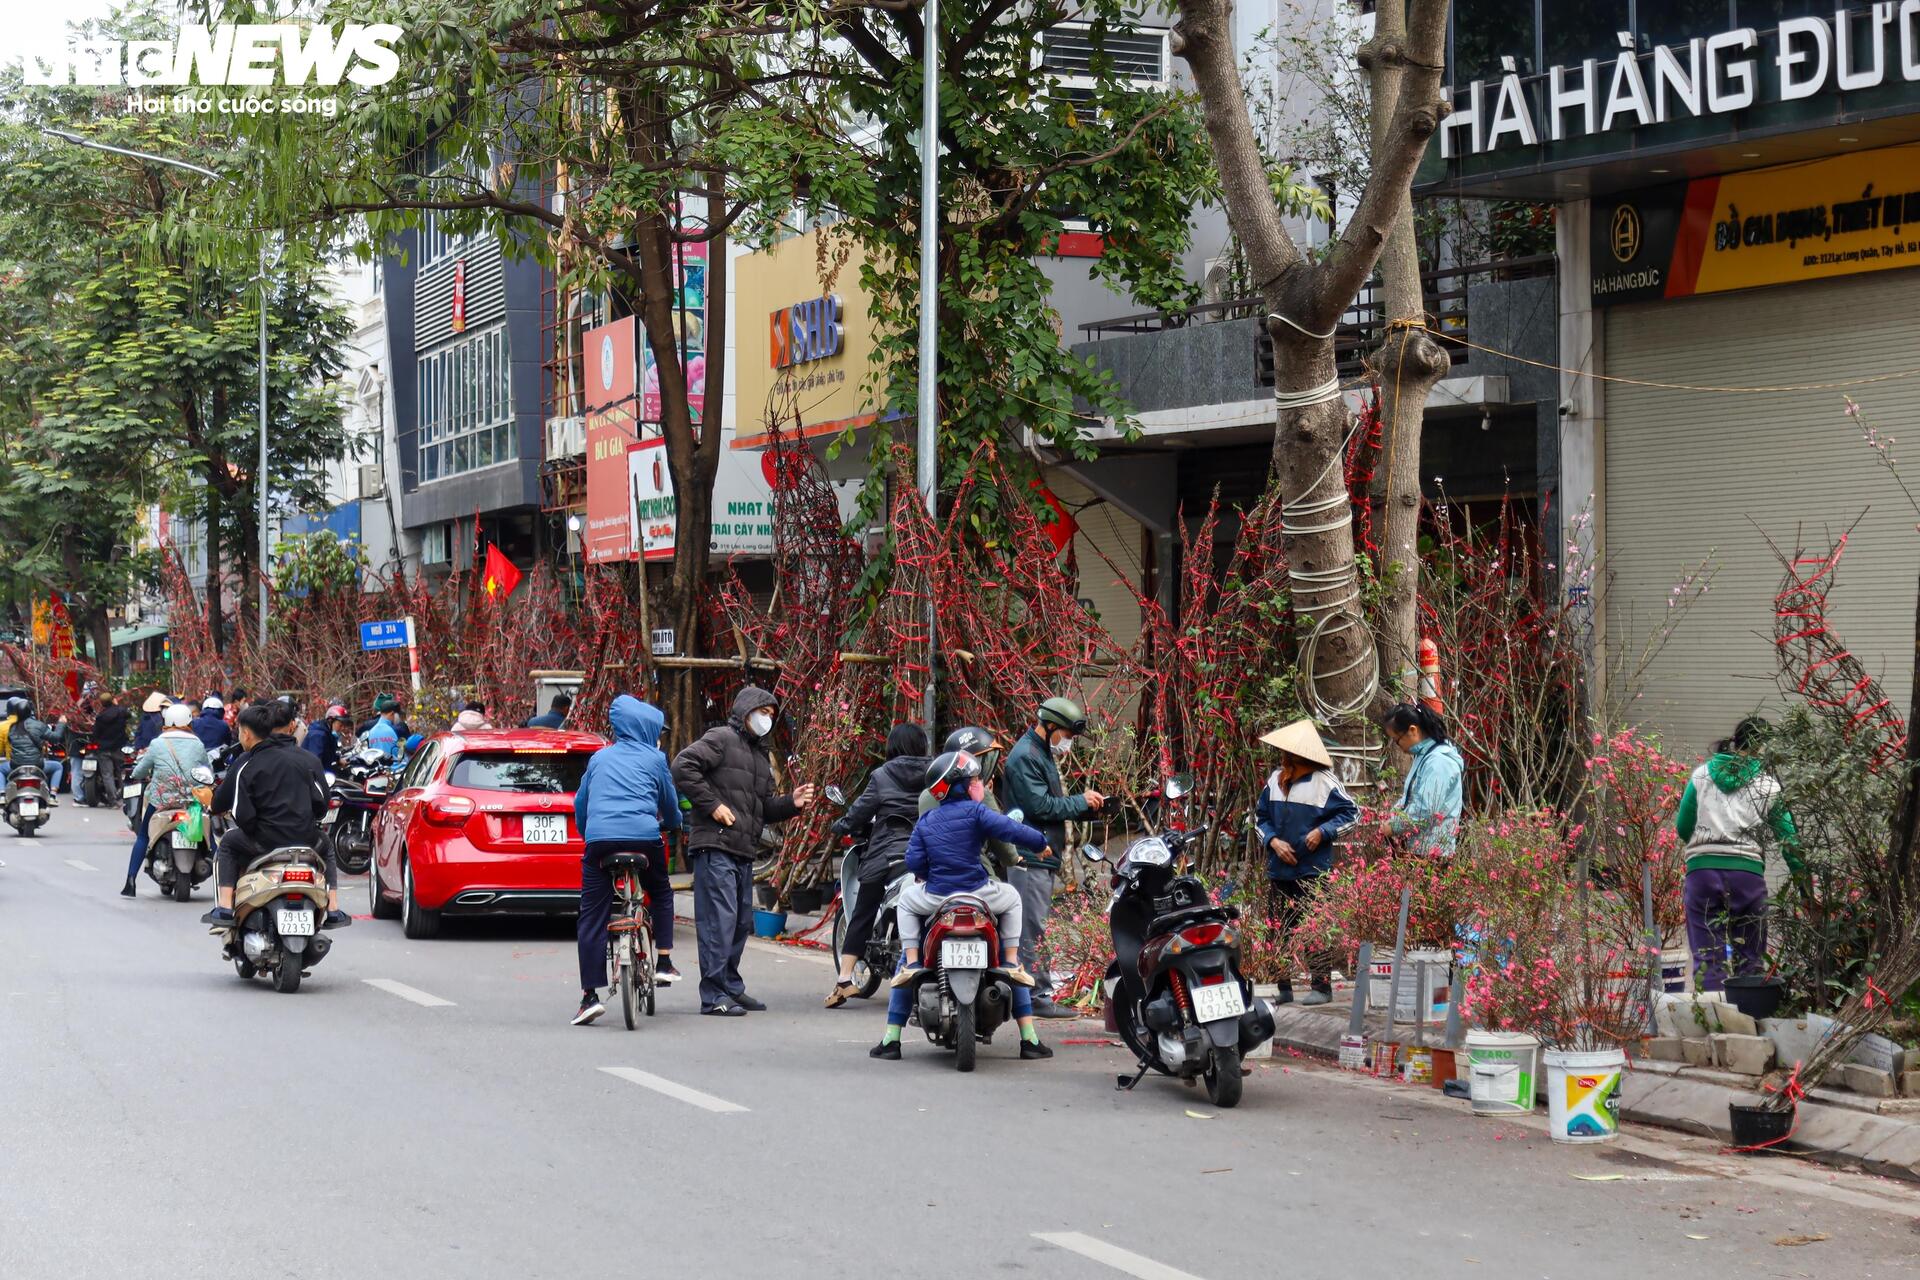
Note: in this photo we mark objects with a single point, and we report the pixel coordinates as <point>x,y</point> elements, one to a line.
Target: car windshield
<point>547,772</point>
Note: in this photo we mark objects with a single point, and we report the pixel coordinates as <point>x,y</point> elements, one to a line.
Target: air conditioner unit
<point>566,437</point>
<point>373,480</point>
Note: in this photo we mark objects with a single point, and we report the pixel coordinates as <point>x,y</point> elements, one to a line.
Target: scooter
<point>1180,1001</point>
<point>25,801</point>
<point>94,776</point>
<point>278,908</point>
<point>131,792</point>
<point>883,945</point>
<point>175,862</point>
<point>357,793</point>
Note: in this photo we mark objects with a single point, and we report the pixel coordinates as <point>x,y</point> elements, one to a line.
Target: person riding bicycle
<point>624,801</point>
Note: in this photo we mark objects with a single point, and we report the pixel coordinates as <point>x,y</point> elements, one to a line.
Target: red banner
<point>611,431</point>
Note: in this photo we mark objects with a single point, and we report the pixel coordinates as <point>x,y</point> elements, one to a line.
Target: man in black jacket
<point>277,796</point>
<point>728,777</point>
<point>1031,783</point>
<point>110,734</point>
<point>882,819</point>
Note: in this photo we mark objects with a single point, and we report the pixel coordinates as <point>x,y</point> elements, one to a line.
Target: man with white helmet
<point>211,726</point>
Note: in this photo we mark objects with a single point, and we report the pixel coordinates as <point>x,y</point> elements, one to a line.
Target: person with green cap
<point>1031,783</point>
<point>386,733</point>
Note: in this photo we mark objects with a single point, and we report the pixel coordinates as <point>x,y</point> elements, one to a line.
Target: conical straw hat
<point>1303,740</point>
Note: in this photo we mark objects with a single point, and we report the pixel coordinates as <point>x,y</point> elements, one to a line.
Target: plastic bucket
<point>1501,1069</point>
<point>1583,1094</point>
<point>769,924</point>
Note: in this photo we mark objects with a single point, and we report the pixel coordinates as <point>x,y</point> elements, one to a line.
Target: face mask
<point>1062,747</point>
<point>760,724</point>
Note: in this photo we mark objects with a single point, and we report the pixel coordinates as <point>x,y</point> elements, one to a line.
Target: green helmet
<point>1064,713</point>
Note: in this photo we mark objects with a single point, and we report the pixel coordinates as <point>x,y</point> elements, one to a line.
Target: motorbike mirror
<point>1093,852</point>
<point>836,797</point>
<point>1016,815</point>
<point>1176,786</point>
<point>202,775</point>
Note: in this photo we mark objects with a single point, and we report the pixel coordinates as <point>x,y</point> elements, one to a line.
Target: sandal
<point>841,993</point>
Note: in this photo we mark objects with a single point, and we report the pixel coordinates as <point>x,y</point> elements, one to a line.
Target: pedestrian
<point>322,742</point>
<point>556,717</point>
<point>211,726</point>
<point>110,735</point>
<point>728,776</point>
<point>167,769</point>
<point>1032,785</point>
<point>150,719</point>
<point>1729,801</point>
<point>472,716</point>
<point>1302,812</point>
<point>881,820</point>
<point>59,738</point>
<point>624,802</point>
<point>1427,815</point>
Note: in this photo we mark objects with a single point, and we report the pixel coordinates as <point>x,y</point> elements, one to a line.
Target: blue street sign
<point>383,635</point>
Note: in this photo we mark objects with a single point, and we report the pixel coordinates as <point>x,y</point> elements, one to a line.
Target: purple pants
<point>1725,909</point>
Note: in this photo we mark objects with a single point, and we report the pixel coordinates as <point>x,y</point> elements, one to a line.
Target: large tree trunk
<point>1305,301</point>
<point>1409,362</point>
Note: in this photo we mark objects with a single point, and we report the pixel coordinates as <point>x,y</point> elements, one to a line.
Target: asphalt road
<point>164,1119</point>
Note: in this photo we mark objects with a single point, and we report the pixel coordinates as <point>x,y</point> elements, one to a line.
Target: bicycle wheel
<point>629,981</point>
<point>648,956</point>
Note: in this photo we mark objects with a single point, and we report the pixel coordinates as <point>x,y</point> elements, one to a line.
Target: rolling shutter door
<point>1692,473</point>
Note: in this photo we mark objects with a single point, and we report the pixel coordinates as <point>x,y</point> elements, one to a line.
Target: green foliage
<point>317,564</point>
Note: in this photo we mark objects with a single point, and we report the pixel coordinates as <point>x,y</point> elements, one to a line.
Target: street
<point>424,1109</point>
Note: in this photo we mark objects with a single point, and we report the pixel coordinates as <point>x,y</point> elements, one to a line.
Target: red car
<point>481,823</point>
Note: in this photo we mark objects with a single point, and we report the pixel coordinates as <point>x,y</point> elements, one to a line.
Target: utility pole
<point>926,463</point>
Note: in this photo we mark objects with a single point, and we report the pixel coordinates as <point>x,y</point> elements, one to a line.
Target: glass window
<point>541,773</point>
<point>1484,31</point>
<point>1765,15</point>
<point>1678,21</point>
<point>1575,32</point>
<point>466,419</point>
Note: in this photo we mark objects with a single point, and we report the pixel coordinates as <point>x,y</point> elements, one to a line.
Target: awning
<point>125,636</point>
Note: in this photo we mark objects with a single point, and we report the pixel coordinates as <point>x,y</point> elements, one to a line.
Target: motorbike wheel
<point>629,976</point>
<point>245,969</point>
<point>353,853</point>
<point>1223,1078</point>
<point>286,977</point>
<point>415,921</point>
<point>182,886</point>
<point>964,1043</point>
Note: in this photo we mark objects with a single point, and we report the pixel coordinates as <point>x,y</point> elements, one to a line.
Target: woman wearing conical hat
<point>1302,811</point>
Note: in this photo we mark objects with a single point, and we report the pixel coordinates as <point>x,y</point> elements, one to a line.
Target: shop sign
<point>1832,217</point>
<point>609,404</point>
<point>742,519</point>
<point>1707,76</point>
<point>809,331</point>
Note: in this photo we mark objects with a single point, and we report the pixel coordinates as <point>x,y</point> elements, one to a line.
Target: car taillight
<point>451,810</point>
<point>297,875</point>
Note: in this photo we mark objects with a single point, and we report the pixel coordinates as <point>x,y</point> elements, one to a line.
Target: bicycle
<point>631,952</point>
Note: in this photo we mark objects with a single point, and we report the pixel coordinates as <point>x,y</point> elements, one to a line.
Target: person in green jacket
<point>1728,801</point>
<point>1031,784</point>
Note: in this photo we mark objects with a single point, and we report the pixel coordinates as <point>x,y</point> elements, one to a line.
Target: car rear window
<point>546,772</point>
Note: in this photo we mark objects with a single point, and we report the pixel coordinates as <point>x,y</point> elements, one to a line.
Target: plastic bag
<point>194,829</point>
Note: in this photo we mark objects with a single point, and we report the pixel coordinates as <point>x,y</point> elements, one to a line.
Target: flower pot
<point>769,924</point>
<point>806,901</point>
<point>1583,1094</point>
<point>1758,1130</point>
<point>1757,997</point>
<point>1501,1068</point>
<point>765,896</point>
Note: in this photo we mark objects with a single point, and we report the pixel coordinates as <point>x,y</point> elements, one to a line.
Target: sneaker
<point>886,1050</point>
<point>1044,1007</point>
<point>590,1008</point>
<point>126,890</point>
<point>336,920</point>
<point>725,1009</point>
<point>219,917</point>
<point>1032,1049</point>
<point>841,993</point>
<point>1018,975</point>
<point>664,974</point>
<point>907,975</point>
<point>1317,997</point>
<point>748,1003</point>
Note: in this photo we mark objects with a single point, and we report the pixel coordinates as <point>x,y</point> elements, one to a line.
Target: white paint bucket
<point>1501,1069</point>
<point>1583,1094</point>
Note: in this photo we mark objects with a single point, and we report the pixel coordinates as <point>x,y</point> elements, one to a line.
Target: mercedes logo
<point>606,361</point>
<point>1626,232</point>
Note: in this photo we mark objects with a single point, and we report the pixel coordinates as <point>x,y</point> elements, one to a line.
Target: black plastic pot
<point>1757,1127</point>
<point>1756,997</point>
<point>805,901</point>
<point>764,896</point>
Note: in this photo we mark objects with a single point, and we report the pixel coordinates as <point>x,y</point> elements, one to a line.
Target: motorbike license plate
<point>1220,1001</point>
<point>131,792</point>
<point>89,765</point>
<point>293,922</point>
<point>328,818</point>
<point>29,808</point>
<point>963,953</point>
<point>543,828</point>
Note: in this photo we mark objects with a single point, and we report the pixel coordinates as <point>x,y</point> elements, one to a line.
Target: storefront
<point>1739,189</point>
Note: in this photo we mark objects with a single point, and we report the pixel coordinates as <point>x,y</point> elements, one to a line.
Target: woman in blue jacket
<point>624,801</point>
<point>1301,813</point>
<point>1428,814</point>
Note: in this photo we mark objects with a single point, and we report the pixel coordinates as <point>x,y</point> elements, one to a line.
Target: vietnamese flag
<point>501,577</point>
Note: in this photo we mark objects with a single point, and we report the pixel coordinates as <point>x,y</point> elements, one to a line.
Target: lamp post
<point>91,144</point>
<point>927,469</point>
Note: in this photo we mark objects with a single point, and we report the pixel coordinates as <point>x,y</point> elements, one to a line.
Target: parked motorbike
<point>25,802</point>
<point>94,779</point>
<point>177,861</point>
<point>356,793</point>
<point>1180,1001</point>
<point>278,907</point>
<point>131,792</point>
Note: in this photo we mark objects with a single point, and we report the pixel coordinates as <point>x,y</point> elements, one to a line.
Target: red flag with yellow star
<point>501,577</point>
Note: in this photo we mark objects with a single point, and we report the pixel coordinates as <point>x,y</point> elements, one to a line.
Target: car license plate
<point>1222,1000</point>
<point>293,922</point>
<point>543,828</point>
<point>89,765</point>
<point>964,953</point>
<point>29,808</point>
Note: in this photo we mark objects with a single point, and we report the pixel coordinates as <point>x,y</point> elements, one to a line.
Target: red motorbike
<point>961,996</point>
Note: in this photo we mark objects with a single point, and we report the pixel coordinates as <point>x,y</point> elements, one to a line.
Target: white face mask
<point>1063,747</point>
<point>760,724</point>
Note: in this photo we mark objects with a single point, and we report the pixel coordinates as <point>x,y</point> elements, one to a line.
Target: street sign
<point>375,636</point>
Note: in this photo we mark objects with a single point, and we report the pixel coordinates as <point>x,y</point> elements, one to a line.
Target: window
<point>547,773</point>
<point>436,544</point>
<point>1071,53</point>
<point>465,406</point>
<point>420,769</point>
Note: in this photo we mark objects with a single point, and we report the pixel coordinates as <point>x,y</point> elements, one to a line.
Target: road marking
<point>660,1084</point>
<point>406,992</point>
<point>1113,1255</point>
<point>78,865</point>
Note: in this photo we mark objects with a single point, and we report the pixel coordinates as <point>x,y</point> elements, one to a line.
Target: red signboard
<point>460,296</point>
<point>611,430</point>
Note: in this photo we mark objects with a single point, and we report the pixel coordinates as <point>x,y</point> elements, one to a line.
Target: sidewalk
<point>1880,1136</point>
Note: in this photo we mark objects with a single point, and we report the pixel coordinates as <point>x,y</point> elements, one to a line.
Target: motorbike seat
<point>286,854</point>
<point>1186,916</point>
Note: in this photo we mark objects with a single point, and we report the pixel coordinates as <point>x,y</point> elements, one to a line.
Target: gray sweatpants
<point>1001,898</point>
<point>1036,901</point>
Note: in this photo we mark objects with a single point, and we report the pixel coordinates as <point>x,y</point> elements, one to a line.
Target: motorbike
<point>1180,1001</point>
<point>131,792</point>
<point>93,774</point>
<point>25,800</point>
<point>175,860</point>
<point>278,907</point>
<point>356,793</point>
<point>882,957</point>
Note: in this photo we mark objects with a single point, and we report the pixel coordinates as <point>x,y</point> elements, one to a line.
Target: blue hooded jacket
<point>627,791</point>
<point>212,729</point>
<point>944,849</point>
<point>1429,808</point>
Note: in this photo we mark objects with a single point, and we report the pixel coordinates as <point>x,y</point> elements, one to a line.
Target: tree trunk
<point>100,635</point>
<point>216,601</point>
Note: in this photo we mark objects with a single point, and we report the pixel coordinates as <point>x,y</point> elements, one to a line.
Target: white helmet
<point>213,704</point>
<point>176,715</point>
